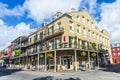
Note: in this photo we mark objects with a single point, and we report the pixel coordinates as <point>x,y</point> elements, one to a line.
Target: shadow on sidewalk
<point>113,68</point>
<point>52,78</point>
<point>5,71</point>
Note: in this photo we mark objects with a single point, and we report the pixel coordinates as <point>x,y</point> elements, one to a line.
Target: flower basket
<point>41,56</point>
<point>83,53</point>
<point>93,54</point>
<point>49,55</point>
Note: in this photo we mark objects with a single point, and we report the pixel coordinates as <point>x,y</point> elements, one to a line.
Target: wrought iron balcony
<point>54,33</point>
<point>47,36</point>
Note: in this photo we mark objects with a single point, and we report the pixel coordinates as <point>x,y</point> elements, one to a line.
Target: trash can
<point>82,67</point>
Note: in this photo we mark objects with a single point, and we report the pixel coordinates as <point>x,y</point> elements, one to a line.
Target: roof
<point>18,39</point>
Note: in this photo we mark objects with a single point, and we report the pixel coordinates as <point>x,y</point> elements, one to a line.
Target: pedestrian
<point>109,63</point>
<point>94,64</point>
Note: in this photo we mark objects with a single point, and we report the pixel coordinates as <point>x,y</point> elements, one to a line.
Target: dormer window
<point>92,25</point>
<point>83,19</point>
<point>78,29</point>
<point>78,17</point>
<point>85,32</point>
<point>88,21</point>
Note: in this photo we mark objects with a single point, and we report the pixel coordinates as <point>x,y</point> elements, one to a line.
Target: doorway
<point>67,61</point>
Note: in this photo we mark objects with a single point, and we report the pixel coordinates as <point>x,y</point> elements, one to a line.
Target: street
<point>111,73</point>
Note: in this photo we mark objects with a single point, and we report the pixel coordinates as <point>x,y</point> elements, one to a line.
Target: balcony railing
<point>64,45</point>
<point>19,46</point>
<point>54,33</point>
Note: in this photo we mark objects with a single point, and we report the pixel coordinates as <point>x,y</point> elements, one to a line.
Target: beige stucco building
<point>69,40</point>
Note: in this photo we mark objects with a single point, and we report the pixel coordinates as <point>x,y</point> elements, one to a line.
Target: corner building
<point>65,43</point>
<point>115,49</point>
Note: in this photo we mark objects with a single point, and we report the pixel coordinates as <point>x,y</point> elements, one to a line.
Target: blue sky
<point>19,17</point>
<point>13,20</point>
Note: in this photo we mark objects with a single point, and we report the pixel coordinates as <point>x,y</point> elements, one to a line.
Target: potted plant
<point>75,41</point>
<point>47,46</point>
<point>83,46</point>
<point>94,46</point>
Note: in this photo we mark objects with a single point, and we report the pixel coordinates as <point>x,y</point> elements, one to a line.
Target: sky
<point>20,17</point>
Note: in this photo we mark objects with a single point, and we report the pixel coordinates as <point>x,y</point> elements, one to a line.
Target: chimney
<point>83,9</point>
<point>44,24</point>
<point>73,9</point>
<point>36,29</point>
<point>58,14</point>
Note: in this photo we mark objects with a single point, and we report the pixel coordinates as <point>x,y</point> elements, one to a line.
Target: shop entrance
<point>67,61</point>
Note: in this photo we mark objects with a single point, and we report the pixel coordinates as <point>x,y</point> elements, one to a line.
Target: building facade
<point>68,41</point>
<point>115,49</point>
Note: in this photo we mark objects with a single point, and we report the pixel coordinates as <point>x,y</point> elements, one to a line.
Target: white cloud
<point>110,19</point>
<point>9,33</point>
<point>41,9</point>
<point>92,5</point>
<point>16,11</point>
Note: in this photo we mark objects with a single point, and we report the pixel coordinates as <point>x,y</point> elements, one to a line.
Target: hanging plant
<point>93,54</point>
<point>94,45</point>
<point>17,52</point>
<point>75,40</point>
<point>83,53</point>
<point>49,55</point>
<point>41,55</point>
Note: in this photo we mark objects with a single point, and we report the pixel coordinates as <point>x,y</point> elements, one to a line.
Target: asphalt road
<point>111,73</point>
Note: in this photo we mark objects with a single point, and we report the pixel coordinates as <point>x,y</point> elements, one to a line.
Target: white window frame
<point>85,32</point>
<point>78,17</point>
<point>71,27</point>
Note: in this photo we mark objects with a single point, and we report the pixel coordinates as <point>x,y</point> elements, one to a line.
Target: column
<point>89,59</point>
<point>104,59</point>
<point>55,61</point>
<point>38,61</point>
<point>98,59</point>
<point>60,60</point>
<point>75,66</point>
<point>45,61</point>
<point>19,61</point>
<point>31,62</point>
<point>26,62</point>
